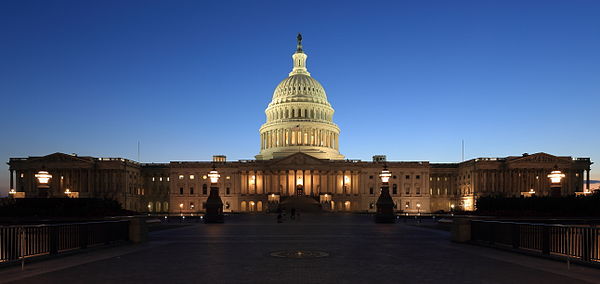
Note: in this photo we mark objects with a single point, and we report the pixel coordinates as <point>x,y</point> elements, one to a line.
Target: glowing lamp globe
<point>556,176</point>
<point>43,177</point>
<point>385,175</point>
<point>214,176</point>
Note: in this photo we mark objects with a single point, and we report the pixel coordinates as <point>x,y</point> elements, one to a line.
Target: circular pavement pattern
<point>299,254</point>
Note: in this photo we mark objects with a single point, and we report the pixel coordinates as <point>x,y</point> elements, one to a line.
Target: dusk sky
<point>407,79</point>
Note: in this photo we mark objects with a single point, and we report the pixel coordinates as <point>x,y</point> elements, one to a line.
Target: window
<point>370,177</point>
<point>180,176</point>
<point>394,177</point>
<point>160,179</point>
<point>204,188</point>
<point>168,178</point>
<point>407,189</point>
<point>407,176</point>
<point>191,190</point>
<point>181,190</point>
<point>152,178</point>
<point>192,177</point>
<point>192,205</point>
<point>418,189</point>
<point>418,177</point>
<point>394,189</point>
<point>371,190</point>
<point>227,190</point>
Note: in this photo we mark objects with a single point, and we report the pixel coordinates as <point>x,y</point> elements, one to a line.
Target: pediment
<point>538,158</point>
<point>299,159</point>
<point>60,158</point>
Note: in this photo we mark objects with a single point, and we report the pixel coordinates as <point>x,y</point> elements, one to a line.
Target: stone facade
<point>259,185</point>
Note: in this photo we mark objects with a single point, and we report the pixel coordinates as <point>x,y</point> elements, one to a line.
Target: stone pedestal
<point>461,230</point>
<point>385,206</point>
<point>138,230</point>
<point>555,191</point>
<point>214,207</point>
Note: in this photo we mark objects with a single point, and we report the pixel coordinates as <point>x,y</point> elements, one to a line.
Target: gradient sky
<point>408,79</point>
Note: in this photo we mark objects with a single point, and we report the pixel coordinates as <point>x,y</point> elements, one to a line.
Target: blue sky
<point>408,79</point>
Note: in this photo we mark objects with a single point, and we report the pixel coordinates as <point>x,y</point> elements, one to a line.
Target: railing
<point>20,242</point>
<point>574,242</point>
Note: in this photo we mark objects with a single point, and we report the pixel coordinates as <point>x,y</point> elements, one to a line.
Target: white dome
<point>299,88</point>
<point>299,117</point>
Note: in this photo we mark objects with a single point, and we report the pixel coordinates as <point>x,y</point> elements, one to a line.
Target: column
<point>12,181</point>
<point>587,181</point>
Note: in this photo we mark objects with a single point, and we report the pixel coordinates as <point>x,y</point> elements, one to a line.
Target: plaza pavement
<point>359,252</point>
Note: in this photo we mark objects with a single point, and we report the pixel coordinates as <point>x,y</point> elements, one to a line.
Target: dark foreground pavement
<point>359,252</point>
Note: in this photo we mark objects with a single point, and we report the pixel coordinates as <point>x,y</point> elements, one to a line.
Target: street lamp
<point>419,209</point>
<point>385,203</point>
<point>214,204</point>
<point>43,178</point>
<point>555,177</point>
<point>406,209</point>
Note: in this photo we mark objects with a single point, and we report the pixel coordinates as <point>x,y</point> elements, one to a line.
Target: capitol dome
<point>299,117</point>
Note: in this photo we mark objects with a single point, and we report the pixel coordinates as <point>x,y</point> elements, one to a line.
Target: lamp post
<point>452,209</point>
<point>385,203</point>
<point>43,178</point>
<point>555,177</point>
<point>214,204</point>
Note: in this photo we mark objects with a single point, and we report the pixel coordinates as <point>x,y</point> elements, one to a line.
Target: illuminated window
<point>181,177</point>
<point>203,177</point>
<point>192,177</point>
<point>152,178</point>
<point>160,179</point>
<point>168,178</point>
<point>228,177</point>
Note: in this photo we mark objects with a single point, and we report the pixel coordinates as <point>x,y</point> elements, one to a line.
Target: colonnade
<point>299,137</point>
<point>312,182</point>
<point>515,181</point>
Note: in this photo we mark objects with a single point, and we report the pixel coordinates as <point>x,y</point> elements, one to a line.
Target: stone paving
<point>359,251</point>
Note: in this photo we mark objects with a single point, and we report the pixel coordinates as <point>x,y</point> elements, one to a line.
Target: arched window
<point>157,206</point>
<point>259,206</point>
<point>166,206</point>
<point>243,206</point>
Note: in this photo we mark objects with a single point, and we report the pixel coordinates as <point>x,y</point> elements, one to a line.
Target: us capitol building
<point>299,155</point>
